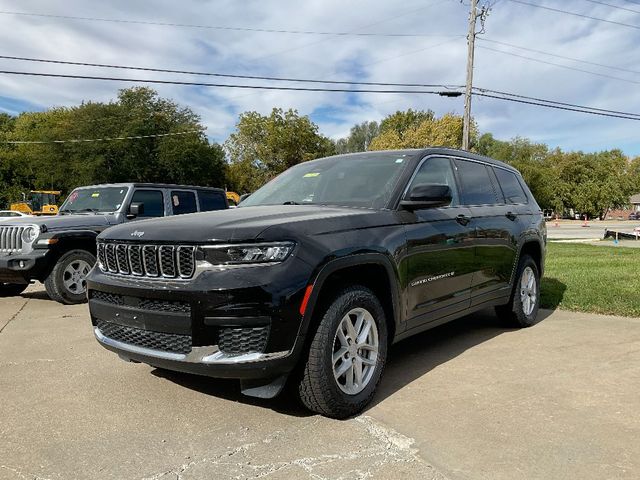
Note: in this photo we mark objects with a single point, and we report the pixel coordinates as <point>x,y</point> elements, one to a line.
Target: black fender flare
<point>341,263</point>
<point>524,239</point>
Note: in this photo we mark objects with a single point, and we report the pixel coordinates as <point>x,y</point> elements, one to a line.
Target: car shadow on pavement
<point>229,389</point>
<point>416,356</point>
<point>408,360</point>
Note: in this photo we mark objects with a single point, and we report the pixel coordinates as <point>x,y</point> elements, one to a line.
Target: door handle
<point>463,219</point>
<point>511,215</point>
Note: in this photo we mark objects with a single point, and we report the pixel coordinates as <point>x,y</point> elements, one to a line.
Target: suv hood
<point>59,222</point>
<point>248,224</point>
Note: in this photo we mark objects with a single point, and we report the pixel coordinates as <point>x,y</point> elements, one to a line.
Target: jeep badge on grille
<point>137,234</point>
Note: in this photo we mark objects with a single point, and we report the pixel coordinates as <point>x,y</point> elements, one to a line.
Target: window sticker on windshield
<point>176,201</point>
<point>95,195</point>
<point>400,160</point>
<point>310,175</point>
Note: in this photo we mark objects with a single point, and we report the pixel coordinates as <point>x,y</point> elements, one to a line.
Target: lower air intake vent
<point>238,341</point>
<point>165,342</point>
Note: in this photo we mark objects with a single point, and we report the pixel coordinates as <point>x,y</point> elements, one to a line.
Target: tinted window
<point>153,202</point>
<point>511,187</point>
<point>438,171</point>
<point>211,201</point>
<point>477,188</point>
<point>183,202</point>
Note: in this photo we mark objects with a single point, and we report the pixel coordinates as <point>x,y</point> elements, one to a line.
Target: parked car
<point>60,250</point>
<point>11,214</point>
<point>634,216</point>
<point>318,272</point>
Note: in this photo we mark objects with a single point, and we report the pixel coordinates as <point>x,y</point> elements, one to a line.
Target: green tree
<point>137,112</point>
<point>359,138</point>
<point>403,121</point>
<point>445,131</point>
<point>264,146</point>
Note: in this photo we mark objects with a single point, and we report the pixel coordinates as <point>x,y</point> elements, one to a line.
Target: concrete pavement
<point>470,400</point>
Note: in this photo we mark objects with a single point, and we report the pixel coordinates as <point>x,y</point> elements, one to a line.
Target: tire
<point>519,312</point>
<point>66,282</point>
<point>320,390</point>
<point>12,289</point>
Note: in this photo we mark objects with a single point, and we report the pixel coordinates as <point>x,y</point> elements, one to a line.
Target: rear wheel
<point>67,281</point>
<point>346,356</point>
<point>12,289</point>
<point>522,309</point>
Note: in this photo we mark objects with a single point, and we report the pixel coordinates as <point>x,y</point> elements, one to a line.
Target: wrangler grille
<point>166,261</point>
<point>166,342</point>
<point>11,239</point>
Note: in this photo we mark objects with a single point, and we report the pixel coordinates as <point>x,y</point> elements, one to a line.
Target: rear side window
<point>211,201</point>
<point>477,187</point>
<point>153,202</point>
<point>513,191</point>
<point>183,202</point>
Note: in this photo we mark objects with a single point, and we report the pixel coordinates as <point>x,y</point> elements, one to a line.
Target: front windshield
<point>99,199</point>
<point>363,180</point>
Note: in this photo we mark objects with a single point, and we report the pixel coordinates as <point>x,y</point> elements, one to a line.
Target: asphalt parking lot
<point>470,400</point>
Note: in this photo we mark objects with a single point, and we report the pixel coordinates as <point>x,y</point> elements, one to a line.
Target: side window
<point>511,187</point>
<point>211,201</point>
<point>153,202</point>
<point>477,187</point>
<point>439,171</point>
<point>183,202</point>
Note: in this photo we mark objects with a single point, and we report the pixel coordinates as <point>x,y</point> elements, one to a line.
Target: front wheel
<point>67,281</point>
<point>347,355</point>
<point>12,289</point>
<point>522,309</point>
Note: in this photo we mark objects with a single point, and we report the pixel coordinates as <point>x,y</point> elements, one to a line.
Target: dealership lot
<point>470,400</point>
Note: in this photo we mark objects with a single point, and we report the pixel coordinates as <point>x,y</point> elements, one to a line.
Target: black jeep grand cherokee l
<point>320,270</point>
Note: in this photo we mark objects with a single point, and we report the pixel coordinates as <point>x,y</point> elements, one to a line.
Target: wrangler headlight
<point>244,254</point>
<point>30,234</point>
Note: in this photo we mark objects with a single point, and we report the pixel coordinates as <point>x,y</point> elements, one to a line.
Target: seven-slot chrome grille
<point>11,239</point>
<point>154,261</point>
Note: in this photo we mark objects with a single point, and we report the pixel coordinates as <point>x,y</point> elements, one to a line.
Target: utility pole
<point>471,38</point>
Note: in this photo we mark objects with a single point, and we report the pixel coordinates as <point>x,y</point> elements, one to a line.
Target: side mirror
<point>428,195</point>
<point>135,210</point>
<point>243,197</point>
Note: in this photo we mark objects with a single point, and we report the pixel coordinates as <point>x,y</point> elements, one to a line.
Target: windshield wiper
<point>291,202</point>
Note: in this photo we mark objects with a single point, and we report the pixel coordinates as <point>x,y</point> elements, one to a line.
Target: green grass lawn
<point>589,278</point>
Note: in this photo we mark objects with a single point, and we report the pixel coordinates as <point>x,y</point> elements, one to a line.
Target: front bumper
<point>23,267</point>
<point>236,323</point>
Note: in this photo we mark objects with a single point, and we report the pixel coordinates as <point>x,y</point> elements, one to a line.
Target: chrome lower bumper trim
<point>210,355</point>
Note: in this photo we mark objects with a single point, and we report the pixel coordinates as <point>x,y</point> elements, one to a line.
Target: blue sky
<point>607,76</point>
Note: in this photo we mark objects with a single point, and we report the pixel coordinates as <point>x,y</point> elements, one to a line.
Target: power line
<point>631,116</point>
<point>542,52</point>
<point>223,75</point>
<point>573,105</point>
<point>221,27</point>
<point>483,93</point>
<point>621,24</point>
<point>612,6</point>
<point>221,85</point>
<point>104,139</point>
<point>560,65</point>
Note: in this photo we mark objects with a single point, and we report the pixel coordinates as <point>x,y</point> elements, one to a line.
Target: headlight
<point>245,254</point>
<point>30,234</point>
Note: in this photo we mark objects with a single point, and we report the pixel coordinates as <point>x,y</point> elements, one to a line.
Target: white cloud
<point>428,59</point>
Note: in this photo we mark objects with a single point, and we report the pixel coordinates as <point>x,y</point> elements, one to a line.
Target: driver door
<point>440,248</point>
